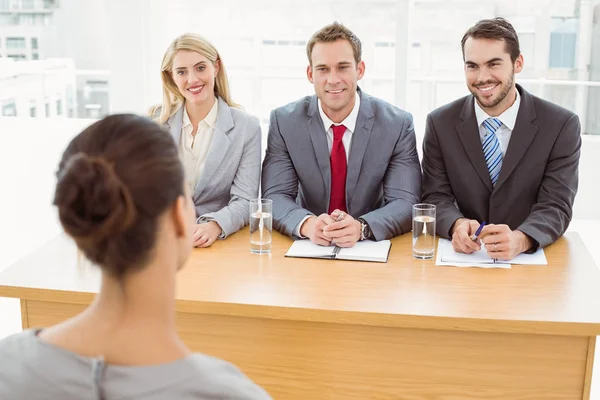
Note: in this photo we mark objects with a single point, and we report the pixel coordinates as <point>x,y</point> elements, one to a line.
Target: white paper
<point>447,256</point>
<point>306,248</point>
<point>366,250</point>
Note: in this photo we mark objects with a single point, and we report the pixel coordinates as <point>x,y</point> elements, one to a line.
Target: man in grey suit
<point>500,155</point>
<point>340,166</point>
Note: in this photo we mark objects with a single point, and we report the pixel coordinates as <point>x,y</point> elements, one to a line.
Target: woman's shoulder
<point>238,113</point>
<point>16,342</point>
<point>224,378</point>
<point>241,118</point>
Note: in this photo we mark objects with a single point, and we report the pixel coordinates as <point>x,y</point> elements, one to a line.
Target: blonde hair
<point>172,98</point>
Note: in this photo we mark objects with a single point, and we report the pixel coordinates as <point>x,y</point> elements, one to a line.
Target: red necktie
<point>337,198</point>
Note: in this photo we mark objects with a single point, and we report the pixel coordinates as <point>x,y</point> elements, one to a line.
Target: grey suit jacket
<point>231,174</point>
<point>383,179</point>
<point>539,176</point>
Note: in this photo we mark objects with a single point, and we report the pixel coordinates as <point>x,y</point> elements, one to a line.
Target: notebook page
<point>481,257</point>
<point>306,248</point>
<point>366,250</point>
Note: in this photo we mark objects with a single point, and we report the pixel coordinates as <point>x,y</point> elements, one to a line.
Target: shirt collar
<point>349,122</point>
<point>186,119</point>
<point>508,117</point>
<point>210,119</point>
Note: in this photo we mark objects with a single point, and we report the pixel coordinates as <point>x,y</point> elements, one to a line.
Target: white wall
<point>586,203</point>
<point>29,155</point>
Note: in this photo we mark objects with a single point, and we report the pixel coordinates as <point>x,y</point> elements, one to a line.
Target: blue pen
<point>476,235</point>
<point>478,232</point>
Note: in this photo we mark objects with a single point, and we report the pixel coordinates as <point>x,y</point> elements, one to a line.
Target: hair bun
<point>92,201</point>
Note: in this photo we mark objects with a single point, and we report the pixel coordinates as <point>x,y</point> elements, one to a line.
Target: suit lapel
<point>520,138</point>
<point>360,139</point>
<point>318,137</point>
<point>468,132</point>
<point>174,124</point>
<point>218,147</point>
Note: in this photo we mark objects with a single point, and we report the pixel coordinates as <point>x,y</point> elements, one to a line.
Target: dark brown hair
<point>332,33</point>
<point>498,29</point>
<point>114,180</point>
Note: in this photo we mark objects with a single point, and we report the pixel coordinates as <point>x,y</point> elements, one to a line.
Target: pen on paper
<point>475,236</point>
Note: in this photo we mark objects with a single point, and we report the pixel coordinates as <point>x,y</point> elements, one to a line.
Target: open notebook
<point>447,256</point>
<point>367,250</point>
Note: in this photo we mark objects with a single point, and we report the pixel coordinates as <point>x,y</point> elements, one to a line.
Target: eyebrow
<point>339,64</point>
<point>201,62</point>
<point>495,59</point>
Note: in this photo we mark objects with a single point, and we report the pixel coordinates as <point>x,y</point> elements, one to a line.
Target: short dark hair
<point>114,181</point>
<point>331,33</point>
<point>498,29</point>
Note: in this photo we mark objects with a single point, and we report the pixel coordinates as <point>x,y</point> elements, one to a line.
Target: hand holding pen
<point>463,239</point>
<point>475,236</point>
<point>340,216</point>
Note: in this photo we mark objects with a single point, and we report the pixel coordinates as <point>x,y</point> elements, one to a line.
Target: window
<point>92,111</point>
<point>9,108</point>
<point>35,56</point>
<point>47,109</point>
<point>384,59</point>
<point>282,53</point>
<point>59,107</point>
<point>27,19</point>
<point>32,111</point>
<point>17,57</point>
<point>34,43</point>
<point>27,4</point>
<point>563,42</point>
<point>15,43</point>
<point>9,19</point>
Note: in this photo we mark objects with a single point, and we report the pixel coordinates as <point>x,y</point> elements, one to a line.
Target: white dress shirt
<point>194,149</point>
<point>350,123</point>
<point>508,119</point>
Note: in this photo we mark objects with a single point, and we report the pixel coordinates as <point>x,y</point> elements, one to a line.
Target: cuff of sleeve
<point>535,245</point>
<point>297,229</point>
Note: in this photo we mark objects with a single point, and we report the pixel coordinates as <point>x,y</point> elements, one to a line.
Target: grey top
<point>33,369</point>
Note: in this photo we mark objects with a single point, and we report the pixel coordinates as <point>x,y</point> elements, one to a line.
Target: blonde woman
<point>218,143</point>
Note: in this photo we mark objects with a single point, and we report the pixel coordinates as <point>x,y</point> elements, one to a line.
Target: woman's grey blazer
<point>231,175</point>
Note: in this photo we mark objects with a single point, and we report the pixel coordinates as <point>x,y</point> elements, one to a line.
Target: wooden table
<point>323,329</point>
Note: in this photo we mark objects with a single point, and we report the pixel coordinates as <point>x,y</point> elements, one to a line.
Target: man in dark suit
<point>340,166</point>
<point>500,155</point>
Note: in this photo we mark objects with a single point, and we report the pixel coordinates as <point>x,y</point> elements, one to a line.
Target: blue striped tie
<point>491,148</point>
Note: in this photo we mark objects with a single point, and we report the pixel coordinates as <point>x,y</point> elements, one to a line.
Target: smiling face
<point>490,74</point>
<point>194,75</point>
<point>335,75</point>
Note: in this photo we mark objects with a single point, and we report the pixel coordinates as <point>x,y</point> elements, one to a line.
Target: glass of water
<point>261,225</point>
<point>423,230</point>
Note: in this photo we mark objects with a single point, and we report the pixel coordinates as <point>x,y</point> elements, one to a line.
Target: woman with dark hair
<point>121,196</point>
